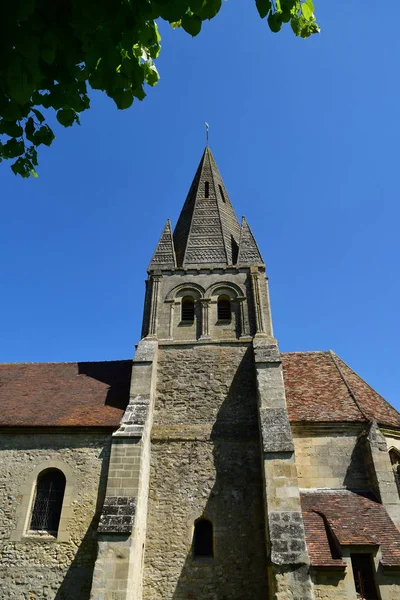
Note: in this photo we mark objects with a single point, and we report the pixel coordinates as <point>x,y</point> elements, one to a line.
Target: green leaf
<point>191,24</point>
<point>123,99</point>
<point>38,115</point>
<point>66,117</point>
<point>310,4</point>
<point>306,11</point>
<point>263,7</point>
<point>13,148</point>
<point>295,25</point>
<point>275,21</point>
<point>44,135</point>
<point>11,129</point>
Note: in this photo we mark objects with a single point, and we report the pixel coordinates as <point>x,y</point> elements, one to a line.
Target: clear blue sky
<point>306,136</point>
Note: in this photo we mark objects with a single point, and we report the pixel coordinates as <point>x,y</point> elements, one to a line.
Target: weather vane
<point>207,128</point>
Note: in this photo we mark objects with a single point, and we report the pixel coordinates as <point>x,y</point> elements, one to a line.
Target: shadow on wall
<point>77,582</point>
<point>238,570</point>
<point>116,374</point>
<point>356,477</point>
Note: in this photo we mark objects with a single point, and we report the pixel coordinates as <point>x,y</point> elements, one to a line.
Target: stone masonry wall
<point>330,460</point>
<point>205,461</point>
<point>37,568</point>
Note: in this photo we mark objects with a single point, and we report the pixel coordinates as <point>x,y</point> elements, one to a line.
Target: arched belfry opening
<point>224,308</point>
<point>187,309</point>
<point>203,544</point>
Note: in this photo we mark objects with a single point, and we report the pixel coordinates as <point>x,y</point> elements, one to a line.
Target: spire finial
<point>207,128</point>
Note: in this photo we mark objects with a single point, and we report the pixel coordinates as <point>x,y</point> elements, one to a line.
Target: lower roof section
<point>320,388</point>
<point>337,518</point>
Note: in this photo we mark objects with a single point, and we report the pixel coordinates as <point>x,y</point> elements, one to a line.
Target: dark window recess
<point>363,572</point>
<point>224,308</point>
<point>187,309</point>
<point>49,497</point>
<point>203,538</point>
<point>221,191</point>
<point>206,189</point>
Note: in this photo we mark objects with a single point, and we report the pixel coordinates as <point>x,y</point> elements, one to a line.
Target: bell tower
<point>211,263</point>
<point>202,500</point>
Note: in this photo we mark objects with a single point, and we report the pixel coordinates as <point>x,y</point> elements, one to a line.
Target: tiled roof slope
<point>88,394</point>
<point>353,519</point>
<point>320,387</point>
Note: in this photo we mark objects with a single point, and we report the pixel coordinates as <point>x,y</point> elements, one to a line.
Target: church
<point>211,466</point>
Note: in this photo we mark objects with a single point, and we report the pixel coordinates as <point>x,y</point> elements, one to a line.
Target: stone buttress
<point>206,435</point>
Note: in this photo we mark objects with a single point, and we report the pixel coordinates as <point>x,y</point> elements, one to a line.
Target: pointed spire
<point>249,253</point>
<point>207,231</point>
<point>164,255</point>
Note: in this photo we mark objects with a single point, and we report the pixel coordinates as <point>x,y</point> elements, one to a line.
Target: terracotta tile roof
<point>353,519</point>
<point>89,394</point>
<point>320,387</point>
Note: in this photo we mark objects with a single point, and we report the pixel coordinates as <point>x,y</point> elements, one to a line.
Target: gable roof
<point>350,519</point>
<point>321,387</point>
<point>87,394</point>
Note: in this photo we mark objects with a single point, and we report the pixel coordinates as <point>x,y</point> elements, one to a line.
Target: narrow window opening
<point>221,191</point>
<point>224,308</point>
<point>187,309</point>
<point>46,512</point>
<point>203,539</point>
<point>363,572</point>
<point>206,190</point>
<point>395,460</point>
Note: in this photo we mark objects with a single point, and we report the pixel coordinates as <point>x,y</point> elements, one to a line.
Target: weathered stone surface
<point>276,433</point>
<point>118,514</point>
<point>42,567</point>
<point>209,389</point>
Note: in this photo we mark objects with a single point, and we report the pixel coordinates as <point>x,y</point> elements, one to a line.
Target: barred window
<point>187,309</point>
<point>46,512</point>
<point>224,308</point>
<point>203,538</point>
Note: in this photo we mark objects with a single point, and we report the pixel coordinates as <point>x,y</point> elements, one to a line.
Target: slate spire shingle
<point>207,231</point>
<point>249,253</point>
<point>164,255</point>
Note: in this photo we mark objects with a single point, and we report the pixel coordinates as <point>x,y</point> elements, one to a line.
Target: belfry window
<point>224,308</point>
<point>49,496</point>
<point>187,309</point>
<point>206,189</point>
<point>203,539</point>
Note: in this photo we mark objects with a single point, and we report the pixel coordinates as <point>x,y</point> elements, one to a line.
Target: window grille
<point>363,572</point>
<point>206,189</point>
<point>49,497</point>
<point>203,538</point>
<point>224,308</point>
<point>187,309</point>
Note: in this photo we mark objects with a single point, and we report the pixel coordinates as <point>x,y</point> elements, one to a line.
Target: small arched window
<point>187,309</point>
<point>221,191</point>
<point>49,496</point>
<point>203,538</point>
<point>224,308</point>
<point>206,189</point>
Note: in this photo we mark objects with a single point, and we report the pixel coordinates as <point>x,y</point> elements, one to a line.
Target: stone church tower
<point>207,421</point>
<point>212,466</point>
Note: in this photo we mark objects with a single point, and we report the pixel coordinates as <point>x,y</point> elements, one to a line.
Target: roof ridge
<point>307,352</point>
<point>367,384</point>
<point>352,394</point>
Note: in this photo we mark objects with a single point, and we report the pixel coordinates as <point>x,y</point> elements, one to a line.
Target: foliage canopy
<point>51,52</point>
